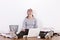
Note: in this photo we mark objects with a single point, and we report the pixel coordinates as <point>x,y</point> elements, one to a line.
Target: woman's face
<point>29,12</point>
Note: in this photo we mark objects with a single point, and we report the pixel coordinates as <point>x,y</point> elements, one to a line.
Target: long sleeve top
<point>29,23</point>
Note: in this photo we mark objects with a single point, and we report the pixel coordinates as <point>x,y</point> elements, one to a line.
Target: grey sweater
<point>29,23</point>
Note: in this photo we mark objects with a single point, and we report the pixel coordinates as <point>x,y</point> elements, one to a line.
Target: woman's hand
<point>23,30</point>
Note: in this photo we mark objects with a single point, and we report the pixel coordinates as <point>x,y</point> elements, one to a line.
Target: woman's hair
<point>31,11</point>
<point>32,16</point>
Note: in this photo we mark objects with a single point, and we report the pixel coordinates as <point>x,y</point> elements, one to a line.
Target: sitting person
<point>29,22</point>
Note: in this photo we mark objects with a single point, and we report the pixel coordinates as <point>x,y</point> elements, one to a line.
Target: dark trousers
<point>42,34</point>
<point>22,33</point>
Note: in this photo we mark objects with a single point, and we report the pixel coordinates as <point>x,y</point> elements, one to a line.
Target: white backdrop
<point>13,12</point>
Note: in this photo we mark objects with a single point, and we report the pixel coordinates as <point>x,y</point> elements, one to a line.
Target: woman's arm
<point>35,25</point>
<point>24,25</point>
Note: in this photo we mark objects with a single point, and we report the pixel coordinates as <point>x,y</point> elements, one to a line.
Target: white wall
<point>14,11</point>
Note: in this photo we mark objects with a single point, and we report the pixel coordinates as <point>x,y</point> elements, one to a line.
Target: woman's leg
<point>22,33</point>
<point>26,31</point>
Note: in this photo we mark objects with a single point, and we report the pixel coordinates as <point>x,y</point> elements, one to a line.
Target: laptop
<point>13,28</point>
<point>33,32</point>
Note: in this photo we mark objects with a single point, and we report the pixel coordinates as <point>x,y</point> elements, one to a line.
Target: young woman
<point>29,22</point>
